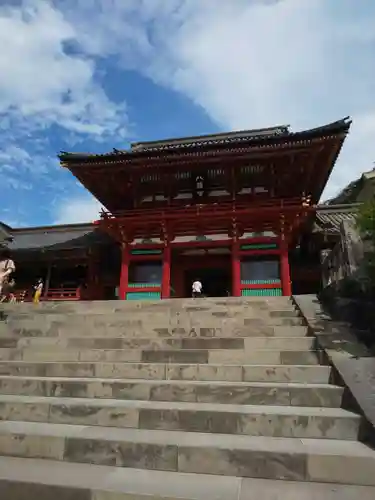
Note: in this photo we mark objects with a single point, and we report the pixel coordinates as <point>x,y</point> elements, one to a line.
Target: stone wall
<point>347,291</point>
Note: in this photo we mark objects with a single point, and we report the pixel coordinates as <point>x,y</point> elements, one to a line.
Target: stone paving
<point>214,398</point>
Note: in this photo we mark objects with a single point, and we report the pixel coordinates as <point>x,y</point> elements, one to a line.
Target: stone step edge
<point>140,349</point>
<point>183,406</point>
<point>172,365</point>
<point>187,439</point>
<point>217,454</point>
<point>105,481</point>
<point>198,383</point>
<point>155,339</point>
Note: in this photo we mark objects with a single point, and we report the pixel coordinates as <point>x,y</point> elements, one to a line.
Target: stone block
<point>79,369</point>
<point>262,357</point>
<point>8,343</point>
<point>173,392</point>
<point>341,469</point>
<point>230,373</point>
<point>130,370</point>
<point>329,397</point>
<point>283,373</point>
<point>242,463</point>
<point>23,386</point>
<point>110,355</point>
<point>93,415</point>
<point>299,358</point>
<point>279,343</point>
<point>168,356</point>
<point>247,395</point>
<point>137,455</point>
<point>40,355</point>
<point>31,412</point>
<point>30,491</point>
<point>32,446</point>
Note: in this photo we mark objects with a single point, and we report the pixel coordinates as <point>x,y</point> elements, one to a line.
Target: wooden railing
<point>53,294</point>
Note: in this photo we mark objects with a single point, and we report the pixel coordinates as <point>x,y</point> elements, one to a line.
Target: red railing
<point>53,294</point>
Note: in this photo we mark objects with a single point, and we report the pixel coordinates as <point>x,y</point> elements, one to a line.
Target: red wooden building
<point>225,208</point>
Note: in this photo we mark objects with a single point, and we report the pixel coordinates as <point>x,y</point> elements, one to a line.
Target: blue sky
<point>90,75</point>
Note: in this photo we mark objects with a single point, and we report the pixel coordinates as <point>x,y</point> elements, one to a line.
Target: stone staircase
<point>177,399</point>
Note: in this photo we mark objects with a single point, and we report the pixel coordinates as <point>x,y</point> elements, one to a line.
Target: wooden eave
<point>114,177</point>
<point>332,129</point>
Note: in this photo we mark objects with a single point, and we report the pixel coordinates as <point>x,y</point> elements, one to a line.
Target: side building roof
<point>5,234</point>
<point>329,217</point>
<point>56,238</point>
<point>253,137</point>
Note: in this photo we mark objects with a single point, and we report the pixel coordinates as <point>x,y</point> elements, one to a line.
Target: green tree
<point>366,225</point>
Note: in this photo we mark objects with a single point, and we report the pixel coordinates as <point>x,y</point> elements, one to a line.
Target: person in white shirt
<point>197,289</point>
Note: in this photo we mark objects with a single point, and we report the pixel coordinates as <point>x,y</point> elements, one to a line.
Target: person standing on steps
<point>7,267</point>
<point>38,289</point>
<point>196,289</point>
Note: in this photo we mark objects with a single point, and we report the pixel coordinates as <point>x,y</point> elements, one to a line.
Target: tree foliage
<point>366,225</point>
<point>366,220</point>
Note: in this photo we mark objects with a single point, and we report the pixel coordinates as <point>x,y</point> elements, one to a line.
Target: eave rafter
<point>153,174</point>
<point>231,219</point>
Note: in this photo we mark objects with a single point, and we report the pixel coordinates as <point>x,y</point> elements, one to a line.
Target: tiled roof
<point>5,234</point>
<point>56,238</point>
<point>329,217</point>
<point>262,136</point>
<point>206,140</point>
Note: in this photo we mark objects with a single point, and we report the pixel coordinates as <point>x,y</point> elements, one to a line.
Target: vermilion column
<point>285,269</point>
<point>47,282</point>
<point>91,275</point>
<point>166,278</point>
<point>124,274</point>
<point>236,269</point>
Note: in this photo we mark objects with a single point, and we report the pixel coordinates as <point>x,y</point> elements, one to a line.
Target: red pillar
<point>47,282</point>
<point>91,276</point>
<point>124,274</point>
<point>236,269</point>
<point>166,278</point>
<point>285,269</point>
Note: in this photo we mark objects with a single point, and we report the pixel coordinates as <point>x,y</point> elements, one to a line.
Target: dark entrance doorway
<point>216,281</point>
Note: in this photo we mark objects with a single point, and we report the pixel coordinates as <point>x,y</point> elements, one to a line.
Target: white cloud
<point>252,63</point>
<point>247,63</point>
<point>77,210</point>
<point>44,84</point>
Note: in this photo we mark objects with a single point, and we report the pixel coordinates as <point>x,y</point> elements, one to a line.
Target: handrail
<point>53,294</point>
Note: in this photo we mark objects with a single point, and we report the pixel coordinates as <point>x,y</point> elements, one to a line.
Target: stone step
<point>71,348</point>
<point>250,420</point>
<point>254,393</point>
<point>248,343</point>
<point>148,324</point>
<point>215,356</point>
<point>222,331</point>
<point>321,460</point>
<point>28,479</point>
<point>220,312</point>
<point>264,303</point>
<point>171,371</point>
